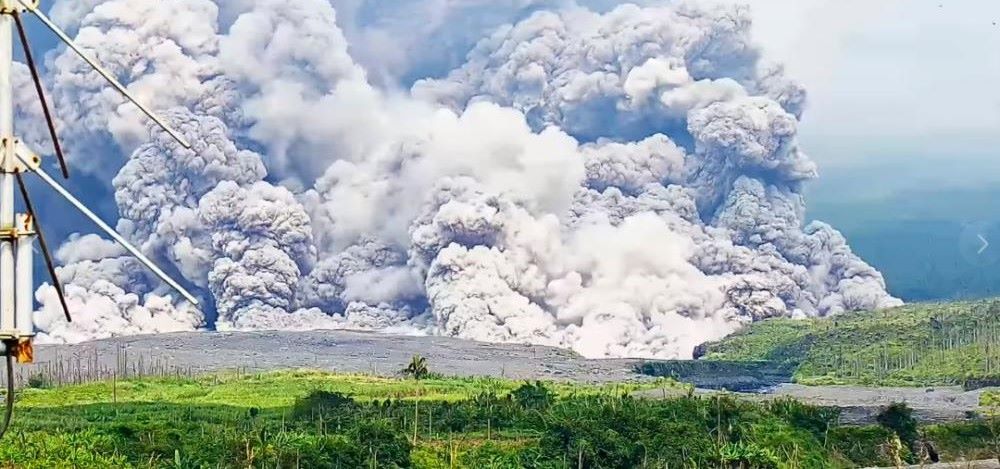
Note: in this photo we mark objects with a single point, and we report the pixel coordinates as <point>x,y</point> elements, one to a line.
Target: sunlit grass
<point>990,400</point>
<point>281,389</point>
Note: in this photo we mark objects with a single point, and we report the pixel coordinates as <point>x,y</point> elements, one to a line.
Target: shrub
<point>817,420</point>
<point>417,369</point>
<point>489,455</point>
<point>283,449</point>
<point>747,456</point>
<point>381,445</point>
<point>861,445</point>
<point>320,404</point>
<point>898,417</point>
<point>533,396</point>
<point>39,381</point>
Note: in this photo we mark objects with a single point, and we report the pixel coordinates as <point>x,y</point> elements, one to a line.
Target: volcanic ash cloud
<point>621,180</point>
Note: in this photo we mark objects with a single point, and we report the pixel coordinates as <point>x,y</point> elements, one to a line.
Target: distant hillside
<point>922,344</point>
<point>923,240</point>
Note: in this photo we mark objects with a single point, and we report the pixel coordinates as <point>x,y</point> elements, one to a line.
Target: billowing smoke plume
<point>619,180</point>
<point>108,291</point>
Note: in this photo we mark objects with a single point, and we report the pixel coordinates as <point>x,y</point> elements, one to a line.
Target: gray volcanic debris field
<point>340,351</point>
<point>384,355</point>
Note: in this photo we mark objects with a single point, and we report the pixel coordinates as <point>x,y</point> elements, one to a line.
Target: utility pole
<point>18,231</point>
<point>17,235</point>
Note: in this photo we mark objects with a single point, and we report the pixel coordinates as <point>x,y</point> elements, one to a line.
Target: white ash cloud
<point>108,307</point>
<point>385,192</point>
<point>396,40</point>
<point>107,291</point>
<point>632,166</point>
<point>166,54</point>
<point>368,272</point>
<point>160,175</point>
<point>740,137</point>
<point>261,242</point>
<point>593,74</point>
<point>618,180</point>
<point>303,95</point>
<point>29,119</point>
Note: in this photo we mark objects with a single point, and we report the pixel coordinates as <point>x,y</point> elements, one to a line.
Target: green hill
<point>920,344</point>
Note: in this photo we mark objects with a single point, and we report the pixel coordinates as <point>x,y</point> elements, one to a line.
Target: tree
<point>322,404</point>
<point>992,404</point>
<point>533,396</point>
<point>380,444</point>
<point>898,417</point>
<point>417,369</point>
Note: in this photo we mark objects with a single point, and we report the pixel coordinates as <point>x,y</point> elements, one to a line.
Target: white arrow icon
<point>986,244</point>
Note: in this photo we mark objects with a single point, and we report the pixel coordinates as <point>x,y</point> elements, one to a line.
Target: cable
<point>49,264</point>
<point>10,391</point>
<point>41,94</point>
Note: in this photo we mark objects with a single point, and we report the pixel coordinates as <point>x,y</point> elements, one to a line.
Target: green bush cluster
<point>525,426</point>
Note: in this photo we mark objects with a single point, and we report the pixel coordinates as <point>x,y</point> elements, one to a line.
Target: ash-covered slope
<point>619,180</point>
<point>338,351</point>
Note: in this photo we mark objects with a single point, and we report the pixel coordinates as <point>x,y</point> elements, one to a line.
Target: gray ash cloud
<point>620,180</point>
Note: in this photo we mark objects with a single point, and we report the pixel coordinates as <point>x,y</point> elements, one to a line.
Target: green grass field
<point>282,389</point>
<point>922,344</point>
<point>251,420</point>
<point>306,419</point>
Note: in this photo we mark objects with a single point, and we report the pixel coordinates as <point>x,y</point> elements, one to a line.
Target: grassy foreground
<point>922,344</point>
<point>317,420</point>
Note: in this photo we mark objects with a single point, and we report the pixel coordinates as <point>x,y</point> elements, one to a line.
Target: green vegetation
<point>317,420</point>
<point>989,436</point>
<point>417,369</point>
<point>898,418</point>
<point>976,440</point>
<point>284,389</point>
<point>922,344</point>
<point>740,376</point>
<point>990,398</point>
